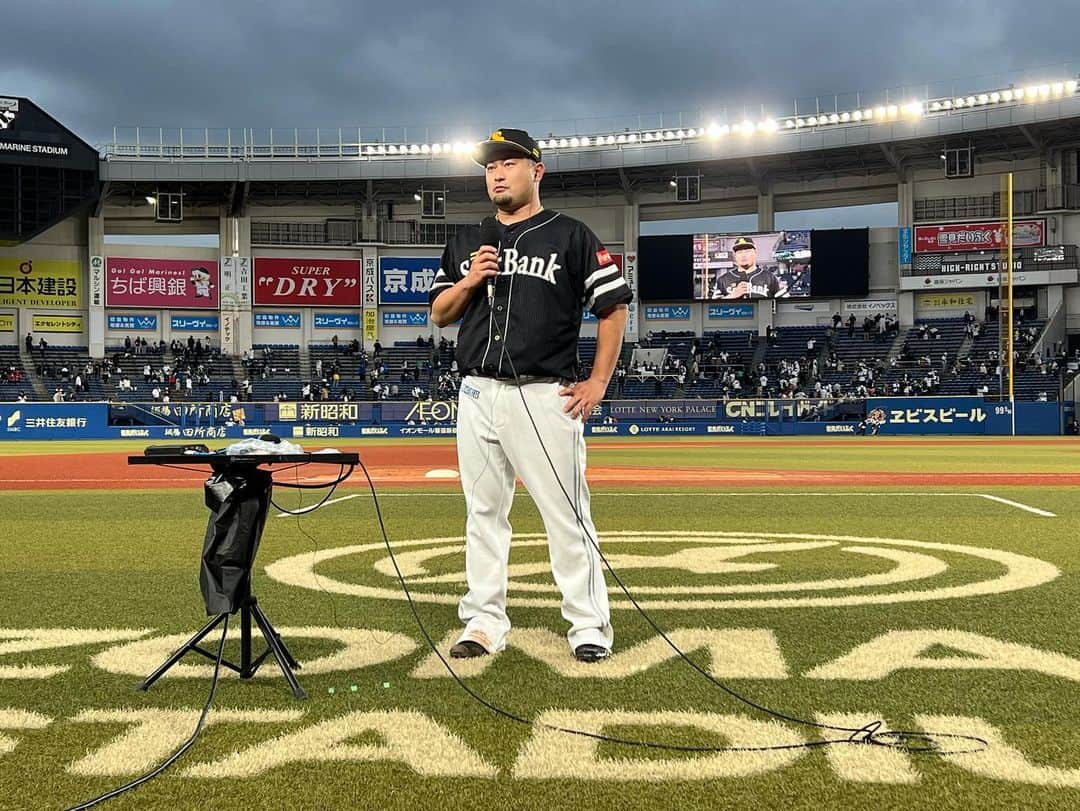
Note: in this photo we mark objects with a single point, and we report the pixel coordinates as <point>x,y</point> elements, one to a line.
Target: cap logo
<point>497,136</point>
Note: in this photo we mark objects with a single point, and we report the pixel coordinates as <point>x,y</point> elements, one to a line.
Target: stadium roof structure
<point>881,141</point>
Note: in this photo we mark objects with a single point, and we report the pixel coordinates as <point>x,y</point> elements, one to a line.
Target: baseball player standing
<point>520,305</point>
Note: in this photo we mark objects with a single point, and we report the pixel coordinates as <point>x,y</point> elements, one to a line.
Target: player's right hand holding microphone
<point>483,265</point>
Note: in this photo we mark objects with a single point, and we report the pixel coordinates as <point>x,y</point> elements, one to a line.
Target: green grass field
<point>815,605</point>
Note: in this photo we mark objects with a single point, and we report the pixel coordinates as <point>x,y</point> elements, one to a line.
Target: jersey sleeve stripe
<point>599,274</point>
<point>607,287</point>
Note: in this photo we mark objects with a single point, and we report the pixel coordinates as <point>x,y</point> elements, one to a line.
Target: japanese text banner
<point>52,283</point>
<point>165,283</point>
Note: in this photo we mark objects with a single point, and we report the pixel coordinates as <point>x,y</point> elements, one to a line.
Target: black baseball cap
<point>506,142</point>
<point>743,242</point>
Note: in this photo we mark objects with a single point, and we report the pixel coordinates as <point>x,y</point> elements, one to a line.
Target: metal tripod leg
<point>179,653</point>
<point>281,656</point>
<point>262,620</point>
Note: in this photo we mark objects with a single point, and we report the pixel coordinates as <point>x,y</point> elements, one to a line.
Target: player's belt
<point>519,379</point>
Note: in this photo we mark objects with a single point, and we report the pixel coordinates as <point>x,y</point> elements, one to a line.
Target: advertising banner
<point>667,313</point>
<point>58,323</point>
<point>177,284</point>
<point>405,280</point>
<point>132,321</point>
<point>236,280</point>
<point>969,280</point>
<point>7,322</point>
<point>938,415</point>
<point>950,301</point>
<point>278,320</point>
<point>978,236</point>
<point>29,420</point>
<point>731,311</point>
<point>371,280</point>
<point>307,282</point>
<point>53,283</point>
<point>371,325</point>
<point>402,318</point>
<point>903,242</point>
<point>944,263</point>
<point>337,320</point>
<point>195,323</point>
<point>97,281</point>
<point>871,307</point>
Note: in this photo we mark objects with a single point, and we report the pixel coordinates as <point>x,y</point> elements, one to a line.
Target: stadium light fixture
<point>151,199</point>
<point>894,111</point>
<point>416,196</point>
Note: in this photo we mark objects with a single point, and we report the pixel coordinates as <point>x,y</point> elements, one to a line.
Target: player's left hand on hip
<point>582,397</point>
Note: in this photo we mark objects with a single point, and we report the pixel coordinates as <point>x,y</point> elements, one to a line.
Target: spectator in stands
<point>58,396</point>
<point>836,320</point>
<point>29,343</point>
<point>43,345</point>
<point>377,349</point>
<point>1073,428</point>
<point>420,342</point>
<point>851,326</point>
<point>334,343</point>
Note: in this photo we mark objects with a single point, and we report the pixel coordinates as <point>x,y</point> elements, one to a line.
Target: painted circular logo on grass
<point>689,570</point>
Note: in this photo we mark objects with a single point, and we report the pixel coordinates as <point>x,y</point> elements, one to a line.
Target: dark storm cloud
<point>465,64</point>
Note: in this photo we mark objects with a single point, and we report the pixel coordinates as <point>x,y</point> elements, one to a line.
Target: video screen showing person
<point>750,266</point>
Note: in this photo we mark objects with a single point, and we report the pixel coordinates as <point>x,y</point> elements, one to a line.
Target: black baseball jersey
<point>763,283</point>
<point>550,266</point>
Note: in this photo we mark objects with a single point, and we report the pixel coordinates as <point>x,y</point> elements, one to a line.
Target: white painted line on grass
<point>1018,505</point>
<point>304,510</point>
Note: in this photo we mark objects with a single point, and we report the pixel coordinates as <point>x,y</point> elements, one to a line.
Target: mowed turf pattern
<point>129,560</point>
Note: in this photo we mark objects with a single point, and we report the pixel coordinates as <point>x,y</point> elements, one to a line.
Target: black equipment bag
<point>238,505</point>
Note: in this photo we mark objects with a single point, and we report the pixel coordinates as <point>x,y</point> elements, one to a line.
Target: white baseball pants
<point>495,440</point>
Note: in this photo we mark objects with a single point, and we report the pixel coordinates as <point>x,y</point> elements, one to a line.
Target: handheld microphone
<point>489,235</point>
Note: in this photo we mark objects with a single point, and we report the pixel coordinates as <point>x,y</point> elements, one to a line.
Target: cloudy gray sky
<point>464,65</point>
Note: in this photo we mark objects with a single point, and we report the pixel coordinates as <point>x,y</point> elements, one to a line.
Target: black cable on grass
<point>171,759</point>
<point>301,511</point>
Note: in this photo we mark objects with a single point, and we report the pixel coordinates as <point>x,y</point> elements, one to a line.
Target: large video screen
<point>751,266</point>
